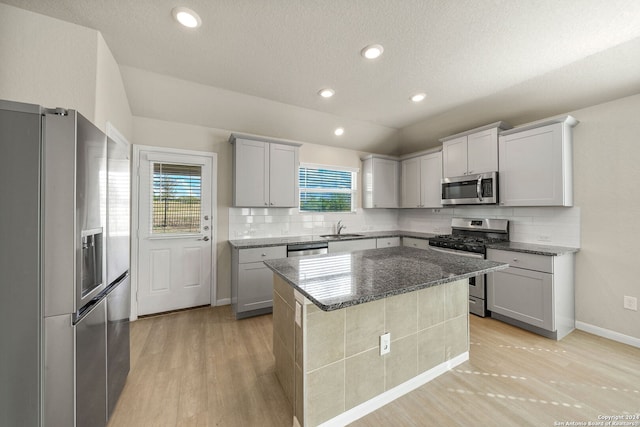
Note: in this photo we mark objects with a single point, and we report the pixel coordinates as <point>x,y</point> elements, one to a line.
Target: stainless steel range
<point>469,238</point>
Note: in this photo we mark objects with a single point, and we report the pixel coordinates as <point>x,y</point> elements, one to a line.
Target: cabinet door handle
<point>263,255</point>
<point>515,260</point>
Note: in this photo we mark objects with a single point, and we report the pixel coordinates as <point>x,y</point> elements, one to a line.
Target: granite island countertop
<point>335,281</point>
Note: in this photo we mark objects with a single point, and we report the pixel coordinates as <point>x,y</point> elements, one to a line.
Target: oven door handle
<point>479,187</point>
<point>455,252</point>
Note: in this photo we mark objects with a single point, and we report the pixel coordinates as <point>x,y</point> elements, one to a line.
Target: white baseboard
<point>606,333</point>
<point>223,301</point>
<point>388,396</point>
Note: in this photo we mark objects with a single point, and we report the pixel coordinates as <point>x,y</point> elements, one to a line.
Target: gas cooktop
<point>471,235</point>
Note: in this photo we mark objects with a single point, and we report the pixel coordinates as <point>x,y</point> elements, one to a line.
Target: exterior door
<point>175,229</point>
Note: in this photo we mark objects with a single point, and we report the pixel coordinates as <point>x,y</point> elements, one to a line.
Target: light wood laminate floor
<point>203,368</point>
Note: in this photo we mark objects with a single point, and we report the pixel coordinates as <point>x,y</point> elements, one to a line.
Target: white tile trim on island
<point>389,396</point>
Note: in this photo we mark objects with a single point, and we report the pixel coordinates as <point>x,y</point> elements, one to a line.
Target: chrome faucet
<point>340,227</point>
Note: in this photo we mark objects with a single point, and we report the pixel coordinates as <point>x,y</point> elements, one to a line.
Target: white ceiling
<point>479,61</point>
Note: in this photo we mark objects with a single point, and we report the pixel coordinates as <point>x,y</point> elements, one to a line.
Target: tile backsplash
<point>548,225</point>
<point>279,222</point>
<point>545,226</point>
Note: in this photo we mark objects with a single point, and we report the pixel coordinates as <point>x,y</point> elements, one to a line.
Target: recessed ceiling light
<point>339,131</point>
<point>326,93</point>
<point>418,97</point>
<point>186,17</point>
<point>372,51</point>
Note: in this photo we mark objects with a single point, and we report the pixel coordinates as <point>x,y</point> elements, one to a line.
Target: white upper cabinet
<point>380,182</point>
<point>265,174</point>
<point>454,157</point>
<point>472,152</point>
<point>283,175</point>
<point>536,164</point>
<point>430,180</point>
<point>482,151</point>
<point>421,177</point>
<point>250,174</point>
<point>411,197</point>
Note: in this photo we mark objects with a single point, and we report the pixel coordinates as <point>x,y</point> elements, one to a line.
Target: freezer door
<point>91,368</point>
<point>118,206</point>
<point>118,308</point>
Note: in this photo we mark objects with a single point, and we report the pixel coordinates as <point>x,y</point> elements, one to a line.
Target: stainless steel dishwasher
<point>302,249</point>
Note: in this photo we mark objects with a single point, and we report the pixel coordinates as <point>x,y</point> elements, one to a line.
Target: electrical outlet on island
<point>385,343</point>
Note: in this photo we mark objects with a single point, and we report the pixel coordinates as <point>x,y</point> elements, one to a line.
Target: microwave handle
<point>479,187</point>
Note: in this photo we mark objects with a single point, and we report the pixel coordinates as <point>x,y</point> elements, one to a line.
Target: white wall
<point>606,177</point>
<point>54,63</point>
<point>111,103</point>
<point>47,61</point>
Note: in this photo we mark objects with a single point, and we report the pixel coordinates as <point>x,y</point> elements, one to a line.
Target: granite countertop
<point>531,248</point>
<point>335,281</point>
<point>283,240</point>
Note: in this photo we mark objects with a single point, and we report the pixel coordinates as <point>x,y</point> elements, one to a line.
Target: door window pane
<point>176,198</point>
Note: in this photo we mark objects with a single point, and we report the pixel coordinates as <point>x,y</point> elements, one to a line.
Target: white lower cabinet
<point>387,242</point>
<point>351,245</point>
<point>524,295</point>
<point>415,243</point>
<point>536,292</point>
<point>252,281</point>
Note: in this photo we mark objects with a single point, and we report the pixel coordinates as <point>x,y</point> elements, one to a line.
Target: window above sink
<point>327,188</point>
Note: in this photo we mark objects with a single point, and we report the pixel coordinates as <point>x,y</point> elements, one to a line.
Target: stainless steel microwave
<point>474,189</point>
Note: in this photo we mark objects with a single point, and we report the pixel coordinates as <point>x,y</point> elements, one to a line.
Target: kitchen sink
<point>340,236</point>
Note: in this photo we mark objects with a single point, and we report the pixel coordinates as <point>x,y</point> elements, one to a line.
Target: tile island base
<point>329,362</point>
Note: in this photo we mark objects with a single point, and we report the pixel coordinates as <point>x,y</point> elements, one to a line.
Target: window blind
<point>326,190</point>
<point>176,198</point>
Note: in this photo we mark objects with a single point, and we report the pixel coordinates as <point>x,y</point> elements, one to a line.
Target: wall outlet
<point>631,303</point>
<point>385,343</point>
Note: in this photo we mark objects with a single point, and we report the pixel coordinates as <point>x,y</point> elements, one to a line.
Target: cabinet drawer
<point>261,254</point>
<point>522,260</point>
<point>387,242</point>
<point>412,242</point>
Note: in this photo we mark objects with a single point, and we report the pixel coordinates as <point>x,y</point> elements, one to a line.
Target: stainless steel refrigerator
<point>118,279</point>
<point>53,268</point>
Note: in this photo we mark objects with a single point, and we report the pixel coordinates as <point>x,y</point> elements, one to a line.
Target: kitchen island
<point>330,311</point>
